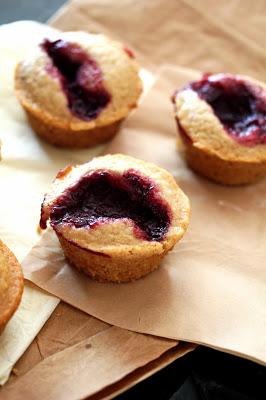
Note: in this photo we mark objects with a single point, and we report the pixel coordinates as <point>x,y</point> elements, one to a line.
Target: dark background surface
<point>37,10</point>
<point>204,374</point>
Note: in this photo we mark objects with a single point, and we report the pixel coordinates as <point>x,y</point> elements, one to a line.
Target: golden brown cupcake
<point>77,88</point>
<point>11,284</point>
<point>222,126</point>
<point>116,216</point>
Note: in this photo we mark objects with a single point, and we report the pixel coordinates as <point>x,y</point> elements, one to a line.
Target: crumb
<point>15,371</point>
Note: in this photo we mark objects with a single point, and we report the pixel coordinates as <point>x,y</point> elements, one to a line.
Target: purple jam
<point>103,195</point>
<point>129,52</point>
<point>239,105</point>
<point>80,76</point>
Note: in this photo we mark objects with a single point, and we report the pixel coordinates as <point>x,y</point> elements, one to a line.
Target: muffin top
<point>79,80</point>
<point>224,114</point>
<point>11,284</point>
<point>115,203</point>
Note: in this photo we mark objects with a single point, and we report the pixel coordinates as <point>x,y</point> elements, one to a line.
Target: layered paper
<point>211,288</point>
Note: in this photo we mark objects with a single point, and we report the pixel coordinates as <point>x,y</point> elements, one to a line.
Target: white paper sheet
<point>17,226</point>
<point>34,310</point>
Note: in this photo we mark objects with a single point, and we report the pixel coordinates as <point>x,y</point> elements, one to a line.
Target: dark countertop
<point>204,374</point>
<point>38,10</point>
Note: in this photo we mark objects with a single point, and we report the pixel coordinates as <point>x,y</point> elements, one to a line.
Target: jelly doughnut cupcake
<point>116,217</point>
<point>77,88</point>
<point>221,122</point>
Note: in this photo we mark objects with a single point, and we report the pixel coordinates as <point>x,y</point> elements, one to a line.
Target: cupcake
<point>11,285</point>
<point>77,88</point>
<point>116,217</point>
<point>221,122</point>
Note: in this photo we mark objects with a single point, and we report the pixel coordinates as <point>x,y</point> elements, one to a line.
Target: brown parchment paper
<point>60,353</point>
<point>206,35</point>
<point>211,289</point>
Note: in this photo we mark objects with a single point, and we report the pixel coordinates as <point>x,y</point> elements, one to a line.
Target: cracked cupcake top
<point>114,201</point>
<point>226,113</point>
<point>79,79</point>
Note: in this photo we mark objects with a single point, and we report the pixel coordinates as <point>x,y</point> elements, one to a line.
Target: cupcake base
<point>105,268</point>
<point>62,137</point>
<point>232,173</point>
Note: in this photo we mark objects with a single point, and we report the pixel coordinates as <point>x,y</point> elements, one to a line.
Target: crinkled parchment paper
<point>211,288</point>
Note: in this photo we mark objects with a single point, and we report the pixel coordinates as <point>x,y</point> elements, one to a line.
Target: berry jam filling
<point>239,105</point>
<point>129,52</point>
<point>102,196</point>
<point>80,76</point>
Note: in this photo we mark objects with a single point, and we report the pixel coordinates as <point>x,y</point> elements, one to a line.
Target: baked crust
<point>207,147</point>
<point>11,284</point>
<point>226,172</point>
<point>116,268</point>
<point>64,137</point>
<point>112,251</point>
